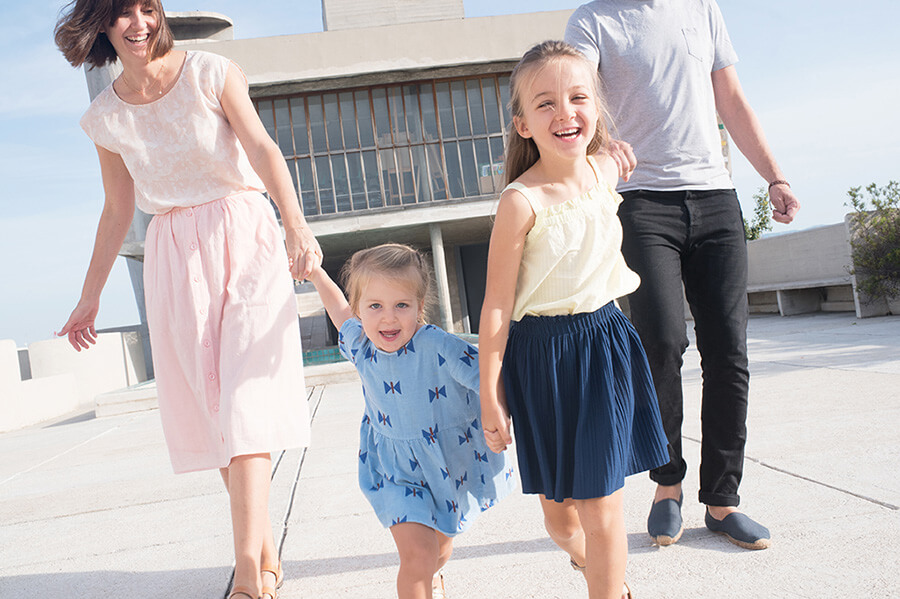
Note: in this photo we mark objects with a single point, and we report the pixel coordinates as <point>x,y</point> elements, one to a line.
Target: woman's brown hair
<point>400,263</point>
<point>521,152</point>
<point>80,36</point>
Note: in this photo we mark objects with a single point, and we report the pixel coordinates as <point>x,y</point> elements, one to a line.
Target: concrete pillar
<point>440,276</point>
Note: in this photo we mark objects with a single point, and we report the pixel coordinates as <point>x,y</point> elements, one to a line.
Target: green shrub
<point>875,239</point>
<point>762,216</point>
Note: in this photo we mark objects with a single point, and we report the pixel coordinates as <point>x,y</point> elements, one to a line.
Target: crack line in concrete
<point>878,502</point>
<point>59,455</point>
<point>296,483</point>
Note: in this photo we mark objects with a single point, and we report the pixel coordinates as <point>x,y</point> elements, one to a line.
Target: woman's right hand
<point>80,326</point>
<point>304,253</point>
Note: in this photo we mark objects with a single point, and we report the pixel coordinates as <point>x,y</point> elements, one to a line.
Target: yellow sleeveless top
<point>572,261</point>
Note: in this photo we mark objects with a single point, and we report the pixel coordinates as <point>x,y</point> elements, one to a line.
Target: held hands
<point>495,422</point>
<point>622,154</point>
<point>784,203</point>
<point>304,253</point>
<point>80,326</point>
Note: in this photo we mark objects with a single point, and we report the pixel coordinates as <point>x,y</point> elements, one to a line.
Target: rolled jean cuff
<point>669,474</point>
<point>719,499</point>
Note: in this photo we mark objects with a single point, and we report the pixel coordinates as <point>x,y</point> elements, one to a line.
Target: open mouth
<point>570,133</point>
<point>138,39</point>
<point>390,335</point>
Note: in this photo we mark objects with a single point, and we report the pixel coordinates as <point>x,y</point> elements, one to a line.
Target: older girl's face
<point>559,108</point>
<point>131,31</point>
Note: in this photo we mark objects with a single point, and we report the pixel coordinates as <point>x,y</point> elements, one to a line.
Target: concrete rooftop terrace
<point>89,507</point>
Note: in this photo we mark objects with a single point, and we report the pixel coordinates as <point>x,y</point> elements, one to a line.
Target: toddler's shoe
<point>740,530</point>
<point>664,522</point>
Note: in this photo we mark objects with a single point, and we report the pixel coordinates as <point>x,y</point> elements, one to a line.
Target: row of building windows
<point>392,145</point>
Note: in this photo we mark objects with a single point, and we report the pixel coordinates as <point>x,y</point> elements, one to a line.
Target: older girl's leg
<point>247,480</point>
<point>423,551</point>
<point>606,545</point>
<point>564,527</point>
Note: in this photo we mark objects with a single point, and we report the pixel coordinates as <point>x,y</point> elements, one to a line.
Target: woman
<point>177,135</point>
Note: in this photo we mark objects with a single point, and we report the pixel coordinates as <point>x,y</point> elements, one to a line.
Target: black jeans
<point>694,238</point>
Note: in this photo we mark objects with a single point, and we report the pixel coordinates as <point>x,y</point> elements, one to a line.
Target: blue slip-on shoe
<point>664,522</point>
<point>740,530</point>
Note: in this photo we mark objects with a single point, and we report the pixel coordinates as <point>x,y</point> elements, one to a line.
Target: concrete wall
<point>352,14</point>
<point>808,271</point>
<point>290,63</point>
<point>63,380</point>
<point>814,257</point>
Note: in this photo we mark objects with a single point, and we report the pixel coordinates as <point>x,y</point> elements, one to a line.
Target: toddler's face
<point>389,311</point>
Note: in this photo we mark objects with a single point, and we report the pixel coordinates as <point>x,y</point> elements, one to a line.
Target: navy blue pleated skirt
<point>582,401</point>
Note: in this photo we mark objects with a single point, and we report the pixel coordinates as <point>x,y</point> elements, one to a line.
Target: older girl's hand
<point>304,253</point>
<point>495,422</point>
<point>80,326</point>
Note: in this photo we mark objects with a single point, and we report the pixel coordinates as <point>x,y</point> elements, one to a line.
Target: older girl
<point>556,352</point>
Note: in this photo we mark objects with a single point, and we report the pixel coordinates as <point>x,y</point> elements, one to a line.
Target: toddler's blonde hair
<point>399,263</point>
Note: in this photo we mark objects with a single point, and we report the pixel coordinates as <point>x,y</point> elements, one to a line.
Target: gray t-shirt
<point>655,59</point>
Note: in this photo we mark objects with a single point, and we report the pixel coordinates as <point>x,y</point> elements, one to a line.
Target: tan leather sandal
<point>278,573</point>
<point>577,568</point>
<point>235,591</point>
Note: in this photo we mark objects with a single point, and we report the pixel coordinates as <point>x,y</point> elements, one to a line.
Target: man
<point>667,68</point>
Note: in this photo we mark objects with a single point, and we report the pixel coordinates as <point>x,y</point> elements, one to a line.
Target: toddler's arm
<point>332,297</point>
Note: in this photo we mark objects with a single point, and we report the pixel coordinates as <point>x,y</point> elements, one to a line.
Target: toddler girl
<point>423,462</point>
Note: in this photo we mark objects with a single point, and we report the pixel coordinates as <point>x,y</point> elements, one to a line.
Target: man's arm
<point>747,133</point>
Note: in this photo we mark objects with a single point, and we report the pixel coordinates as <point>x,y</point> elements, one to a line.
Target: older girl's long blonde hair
<point>522,153</point>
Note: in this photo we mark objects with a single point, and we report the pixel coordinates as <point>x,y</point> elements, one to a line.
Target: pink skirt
<point>224,332</point>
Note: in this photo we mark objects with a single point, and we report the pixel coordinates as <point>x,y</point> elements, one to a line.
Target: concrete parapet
<point>115,361</point>
<point>61,380</point>
<point>136,398</point>
<point>23,403</point>
<point>29,402</point>
<point>9,362</point>
<point>804,271</point>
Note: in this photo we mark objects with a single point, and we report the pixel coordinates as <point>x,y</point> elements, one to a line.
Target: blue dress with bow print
<point>422,454</point>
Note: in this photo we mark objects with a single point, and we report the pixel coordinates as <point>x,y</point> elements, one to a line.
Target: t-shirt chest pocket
<point>695,43</point>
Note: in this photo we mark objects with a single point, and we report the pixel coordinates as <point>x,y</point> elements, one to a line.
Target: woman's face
<point>131,32</point>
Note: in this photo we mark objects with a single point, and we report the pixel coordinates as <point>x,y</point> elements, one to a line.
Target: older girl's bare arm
<point>514,219</point>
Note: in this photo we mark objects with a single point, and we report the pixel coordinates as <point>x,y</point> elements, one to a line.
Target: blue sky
<point>822,76</point>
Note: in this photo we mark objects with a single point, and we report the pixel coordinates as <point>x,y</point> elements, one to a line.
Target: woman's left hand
<point>304,253</point>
